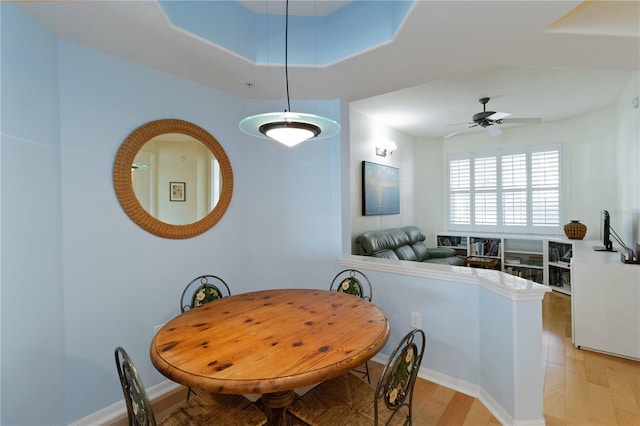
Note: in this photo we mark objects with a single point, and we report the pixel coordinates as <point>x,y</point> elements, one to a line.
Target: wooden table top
<point>269,341</point>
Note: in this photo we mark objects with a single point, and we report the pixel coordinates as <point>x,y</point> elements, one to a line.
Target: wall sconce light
<point>386,148</point>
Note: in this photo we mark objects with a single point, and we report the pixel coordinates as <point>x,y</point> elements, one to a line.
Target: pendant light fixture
<point>289,128</point>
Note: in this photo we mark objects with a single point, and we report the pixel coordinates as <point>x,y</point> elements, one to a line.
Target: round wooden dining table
<point>269,342</point>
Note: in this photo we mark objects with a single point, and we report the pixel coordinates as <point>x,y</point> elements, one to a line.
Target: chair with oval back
<point>356,283</point>
<point>201,290</point>
<point>353,282</point>
<point>204,409</point>
<point>347,399</point>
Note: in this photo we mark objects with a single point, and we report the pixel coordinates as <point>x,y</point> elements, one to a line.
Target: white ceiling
<point>549,59</point>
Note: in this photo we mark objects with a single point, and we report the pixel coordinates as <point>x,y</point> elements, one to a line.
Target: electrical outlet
<point>416,319</point>
<point>156,328</point>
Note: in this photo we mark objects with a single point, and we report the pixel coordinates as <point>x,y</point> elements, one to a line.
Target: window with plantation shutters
<point>545,188</point>
<point>511,190</point>
<point>485,185</point>
<point>460,192</point>
<point>514,190</point>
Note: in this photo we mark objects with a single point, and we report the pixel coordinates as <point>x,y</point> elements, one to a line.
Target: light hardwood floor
<point>581,388</point>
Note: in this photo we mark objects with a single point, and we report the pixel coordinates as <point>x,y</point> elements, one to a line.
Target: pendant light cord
<point>286,52</point>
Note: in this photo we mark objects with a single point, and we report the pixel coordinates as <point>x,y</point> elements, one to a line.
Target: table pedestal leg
<point>275,406</point>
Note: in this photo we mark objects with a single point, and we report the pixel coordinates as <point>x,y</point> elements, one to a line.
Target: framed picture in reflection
<point>177,191</point>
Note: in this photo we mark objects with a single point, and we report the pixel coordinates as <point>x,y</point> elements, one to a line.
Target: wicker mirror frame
<point>124,187</point>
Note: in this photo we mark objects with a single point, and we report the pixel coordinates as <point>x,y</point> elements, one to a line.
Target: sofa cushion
<point>386,254</point>
<point>406,253</point>
<point>453,260</point>
<point>414,234</point>
<point>421,251</point>
<point>372,242</point>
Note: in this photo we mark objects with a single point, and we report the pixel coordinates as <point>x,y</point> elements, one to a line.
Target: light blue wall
<point>31,276</point>
<point>83,278</point>
<point>450,320</point>
<point>479,342</point>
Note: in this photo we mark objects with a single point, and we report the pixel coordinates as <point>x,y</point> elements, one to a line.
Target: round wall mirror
<point>173,178</point>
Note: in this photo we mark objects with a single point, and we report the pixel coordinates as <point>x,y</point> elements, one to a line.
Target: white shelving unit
<point>545,260</point>
<point>459,243</point>
<point>490,247</point>
<point>524,258</point>
<point>559,265</point>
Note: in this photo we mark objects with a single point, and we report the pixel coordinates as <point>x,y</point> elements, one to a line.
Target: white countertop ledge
<point>507,285</point>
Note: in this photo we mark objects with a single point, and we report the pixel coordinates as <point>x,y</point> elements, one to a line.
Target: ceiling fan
<point>489,120</point>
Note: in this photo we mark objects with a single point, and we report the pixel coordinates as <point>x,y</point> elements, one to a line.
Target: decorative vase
<point>575,230</point>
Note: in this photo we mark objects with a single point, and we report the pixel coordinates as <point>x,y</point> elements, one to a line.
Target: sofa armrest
<point>441,252</point>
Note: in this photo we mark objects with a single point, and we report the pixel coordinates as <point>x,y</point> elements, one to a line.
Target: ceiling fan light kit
<point>287,127</point>
<point>493,130</point>
<point>489,120</point>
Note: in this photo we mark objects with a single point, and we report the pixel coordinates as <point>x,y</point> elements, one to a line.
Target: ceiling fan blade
<point>451,134</point>
<point>493,130</point>
<point>498,116</point>
<point>524,120</point>
<point>454,124</point>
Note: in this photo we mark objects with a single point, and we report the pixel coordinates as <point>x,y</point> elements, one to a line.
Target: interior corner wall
<point>364,135</point>
<point>628,162</point>
<point>32,317</point>
<point>283,221</point>
<point>429,188</point>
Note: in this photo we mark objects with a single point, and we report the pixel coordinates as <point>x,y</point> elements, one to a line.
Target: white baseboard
<point>119,408</point>
<point>472,390</point>
<point>116,410</point>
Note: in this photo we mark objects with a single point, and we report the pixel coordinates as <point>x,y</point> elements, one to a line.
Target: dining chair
<point>203,409</point>
<point>353,282</point>
<point>356,283</point>
<point>349,400</point>
<point>201,290</point>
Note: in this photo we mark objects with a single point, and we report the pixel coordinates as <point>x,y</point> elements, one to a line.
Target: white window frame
<point>500,227</point>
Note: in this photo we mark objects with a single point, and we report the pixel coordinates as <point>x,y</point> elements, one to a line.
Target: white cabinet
<point>605,302</point>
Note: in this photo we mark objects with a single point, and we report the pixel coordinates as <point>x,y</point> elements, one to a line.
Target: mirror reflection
<point>182,177</point>
<point>176,178</point>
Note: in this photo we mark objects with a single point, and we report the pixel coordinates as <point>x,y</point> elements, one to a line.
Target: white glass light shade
<point>289,128</point>
<point>493,130</point>
<point>289,133</point>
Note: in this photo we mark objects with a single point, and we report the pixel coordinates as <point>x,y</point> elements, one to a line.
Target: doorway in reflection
<point>176,157</point>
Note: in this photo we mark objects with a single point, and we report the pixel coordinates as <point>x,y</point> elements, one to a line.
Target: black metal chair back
<point>139,407</point>
<point>395,386</point>
<point>353,282</point>
<point>201,290</point>
<point>356,283</point>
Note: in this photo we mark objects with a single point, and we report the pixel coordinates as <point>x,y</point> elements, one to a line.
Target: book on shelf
<point>493,248</point>
<point>445,242</point>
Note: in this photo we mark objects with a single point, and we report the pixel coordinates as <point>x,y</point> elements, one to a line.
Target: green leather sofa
<point>405,243</point>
